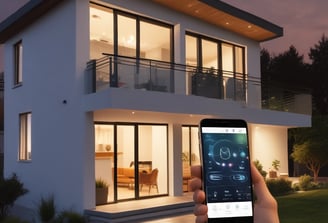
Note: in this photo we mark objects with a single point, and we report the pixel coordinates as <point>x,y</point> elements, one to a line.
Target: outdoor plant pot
<point>101,195</point>
<point>273,174</point>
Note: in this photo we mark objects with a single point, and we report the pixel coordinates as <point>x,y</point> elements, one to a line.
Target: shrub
<point>10,189</point>
<point>296,187</point>
<point>259,167</point>
<point>47,209</point>
<point>279,187</point>
<point>304,182</point>
<point>70,217</point>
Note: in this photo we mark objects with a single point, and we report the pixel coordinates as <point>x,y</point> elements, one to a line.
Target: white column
<point>175,160</point>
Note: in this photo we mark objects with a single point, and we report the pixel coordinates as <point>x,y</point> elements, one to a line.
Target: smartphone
<point>226,170</point>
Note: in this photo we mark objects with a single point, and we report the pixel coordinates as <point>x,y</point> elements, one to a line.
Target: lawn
<point>304,207</point>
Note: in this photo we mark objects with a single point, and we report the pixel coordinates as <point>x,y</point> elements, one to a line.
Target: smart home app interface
<point>226,160</point>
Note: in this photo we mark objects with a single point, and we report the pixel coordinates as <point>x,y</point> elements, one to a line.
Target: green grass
<point>304,207</point>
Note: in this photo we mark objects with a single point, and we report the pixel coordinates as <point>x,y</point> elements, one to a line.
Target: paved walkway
<point>189,218</point>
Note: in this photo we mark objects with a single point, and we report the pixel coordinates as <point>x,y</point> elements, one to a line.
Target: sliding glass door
<point>152,160</point>
<point>190,152</point>
<point>132,159</point>
<point>125,156</point>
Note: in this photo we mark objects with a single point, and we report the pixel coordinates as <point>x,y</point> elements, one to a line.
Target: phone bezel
<point>211,122</point>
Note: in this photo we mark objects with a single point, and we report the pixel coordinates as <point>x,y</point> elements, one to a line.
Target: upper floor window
<point>25,148</point>
<point>101,31</point>
<point>125,34</point>
<point>219,67</point>
<point>18,63</point>
<point>214,54</point>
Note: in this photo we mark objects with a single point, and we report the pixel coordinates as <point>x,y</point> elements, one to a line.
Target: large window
<point>138,153</point>
<point>25,136</point>
<point>191,50</point>
<point>131,37</point>
<point>220,66</point>
<point>155,41</point>
<point>210,54</point>
<point>126,34</point>
<point>101,31</point>
<point>18,63</point>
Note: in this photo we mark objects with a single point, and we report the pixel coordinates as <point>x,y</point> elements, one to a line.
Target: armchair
<point>149,179</point>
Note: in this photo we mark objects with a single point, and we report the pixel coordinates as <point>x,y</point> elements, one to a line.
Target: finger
<point>200,209</point>
<point>260,187</point>
<point>201,219</point>
<point>196,171</point>
<point>263,195</point>
<point>195,184</point>
<point>199,197</point>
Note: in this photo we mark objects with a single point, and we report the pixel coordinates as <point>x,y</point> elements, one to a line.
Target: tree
<point>282,75</point>
<point>265,63</point>
<point>288,68</point>
<point>311,145</point>
<point>319,76</point>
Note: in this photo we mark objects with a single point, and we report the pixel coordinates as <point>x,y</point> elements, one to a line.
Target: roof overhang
<point>227,17</point>
<point>215,12</point>
<point>24,16</point>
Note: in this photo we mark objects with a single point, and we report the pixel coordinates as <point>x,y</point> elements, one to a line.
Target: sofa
<point>125,176</point>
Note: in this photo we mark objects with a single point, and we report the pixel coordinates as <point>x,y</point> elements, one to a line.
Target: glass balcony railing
<point>151,75</point>
<point>286,98</point>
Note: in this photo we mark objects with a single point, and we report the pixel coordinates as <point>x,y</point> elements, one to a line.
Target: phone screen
<point>226,169</point>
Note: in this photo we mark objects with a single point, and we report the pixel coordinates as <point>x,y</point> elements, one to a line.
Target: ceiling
<point>225,16</point>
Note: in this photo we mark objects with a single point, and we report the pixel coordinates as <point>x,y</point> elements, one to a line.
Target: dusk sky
<point>304,21</point>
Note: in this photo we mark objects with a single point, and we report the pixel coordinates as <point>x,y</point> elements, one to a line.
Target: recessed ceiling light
<point>249,26</point>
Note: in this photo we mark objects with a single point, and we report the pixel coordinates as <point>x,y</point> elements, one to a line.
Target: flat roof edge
<point>225,7</point>
<point>24,16</point>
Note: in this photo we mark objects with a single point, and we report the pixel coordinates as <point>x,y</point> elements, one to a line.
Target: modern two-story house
<point>115,90</point>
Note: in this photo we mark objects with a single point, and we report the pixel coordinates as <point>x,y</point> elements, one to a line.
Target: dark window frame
<point>200,37</point>
<point>18,63</point>
<point>24,138</point>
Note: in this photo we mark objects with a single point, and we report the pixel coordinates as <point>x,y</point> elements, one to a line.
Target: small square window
<point>25,136</point>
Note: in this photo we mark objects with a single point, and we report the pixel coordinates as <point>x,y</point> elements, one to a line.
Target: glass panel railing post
<point>93,75</point>
<point>150,76</point>
<point>171,78</point>
<point>113,80</point>
<point>110,70</point>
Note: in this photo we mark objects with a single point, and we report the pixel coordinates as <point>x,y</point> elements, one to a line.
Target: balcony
<point>113,71</point>
<point>286,98</point>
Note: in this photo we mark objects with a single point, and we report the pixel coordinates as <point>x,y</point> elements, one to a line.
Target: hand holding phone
<point>226,170</point>
<point>265,206</point>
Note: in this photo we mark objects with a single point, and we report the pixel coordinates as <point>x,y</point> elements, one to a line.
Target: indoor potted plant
<point>101,191</point>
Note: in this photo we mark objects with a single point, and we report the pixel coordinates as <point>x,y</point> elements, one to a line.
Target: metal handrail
<point>154,75</point>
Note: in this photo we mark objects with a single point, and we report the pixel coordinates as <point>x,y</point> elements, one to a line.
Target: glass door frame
<point>136,148</point>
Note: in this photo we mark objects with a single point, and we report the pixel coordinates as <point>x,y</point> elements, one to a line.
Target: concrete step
<point>139,215</point>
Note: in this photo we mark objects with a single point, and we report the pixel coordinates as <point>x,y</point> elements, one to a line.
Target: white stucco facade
<point>54,90</point>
